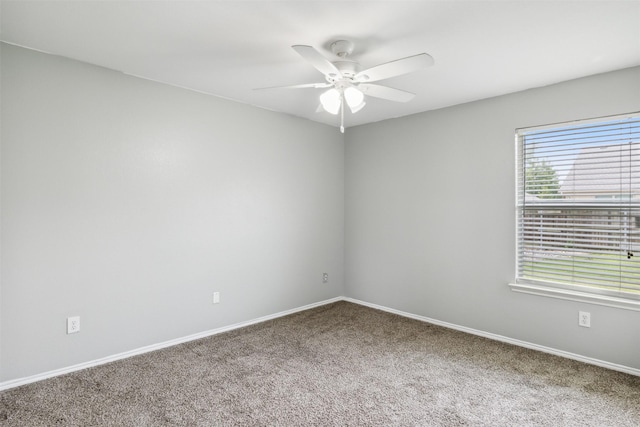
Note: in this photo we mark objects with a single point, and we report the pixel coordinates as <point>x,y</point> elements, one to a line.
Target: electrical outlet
<point>73,324</point>
<point>216,297</point>
<point>584,319</point>
<point>325,277</point>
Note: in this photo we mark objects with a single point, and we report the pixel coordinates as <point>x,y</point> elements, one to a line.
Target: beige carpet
<point>337,365</point>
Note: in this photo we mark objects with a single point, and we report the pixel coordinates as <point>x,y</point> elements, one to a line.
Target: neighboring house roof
<point>609,169</point>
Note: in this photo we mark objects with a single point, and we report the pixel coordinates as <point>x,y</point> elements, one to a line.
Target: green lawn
<point>603,271</point>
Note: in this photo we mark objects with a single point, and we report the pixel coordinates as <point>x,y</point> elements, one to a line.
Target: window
<point>578,210</point>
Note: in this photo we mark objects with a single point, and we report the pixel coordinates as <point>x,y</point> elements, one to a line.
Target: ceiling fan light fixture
<point>354,98</point>
<point>331,101</point>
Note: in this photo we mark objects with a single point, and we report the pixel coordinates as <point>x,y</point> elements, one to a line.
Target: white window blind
<point>578,203</point>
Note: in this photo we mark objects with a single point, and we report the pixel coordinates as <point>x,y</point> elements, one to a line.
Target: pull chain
<point>342,112</point>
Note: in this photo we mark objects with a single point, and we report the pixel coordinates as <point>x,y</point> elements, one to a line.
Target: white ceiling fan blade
<point>385,92</point>
<point>302,86</point>
<point>395,68</point>
<point>316,59</point>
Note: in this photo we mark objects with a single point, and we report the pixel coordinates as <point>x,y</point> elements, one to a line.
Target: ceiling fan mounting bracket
<point>342,48</point>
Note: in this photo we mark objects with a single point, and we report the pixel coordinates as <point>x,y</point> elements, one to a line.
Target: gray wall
<point>129,203</point>
<point>430,218</point>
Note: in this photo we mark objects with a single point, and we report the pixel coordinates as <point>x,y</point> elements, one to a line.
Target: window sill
<point>607,300</point>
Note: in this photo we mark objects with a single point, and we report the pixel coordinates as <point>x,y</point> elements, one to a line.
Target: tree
<point>542,180</point>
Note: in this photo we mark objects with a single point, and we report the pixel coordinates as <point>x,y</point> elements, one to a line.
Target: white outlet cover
<point>73,324</point>
<point>584,319</point>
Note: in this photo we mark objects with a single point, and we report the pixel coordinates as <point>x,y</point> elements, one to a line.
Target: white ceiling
<point>227,48</point>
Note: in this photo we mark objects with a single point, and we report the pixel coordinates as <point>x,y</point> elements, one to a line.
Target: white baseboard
<point>56,372</point>
<point>561,353</point>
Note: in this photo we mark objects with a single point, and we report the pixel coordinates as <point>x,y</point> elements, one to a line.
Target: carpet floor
<point>340,364</point>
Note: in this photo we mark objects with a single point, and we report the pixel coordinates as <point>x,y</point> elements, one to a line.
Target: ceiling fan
<point>348,84</point>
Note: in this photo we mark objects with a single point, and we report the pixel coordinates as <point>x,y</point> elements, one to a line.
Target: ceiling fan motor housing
<point>348,69</point>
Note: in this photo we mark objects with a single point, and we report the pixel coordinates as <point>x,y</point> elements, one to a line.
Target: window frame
<point>549,288</point>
